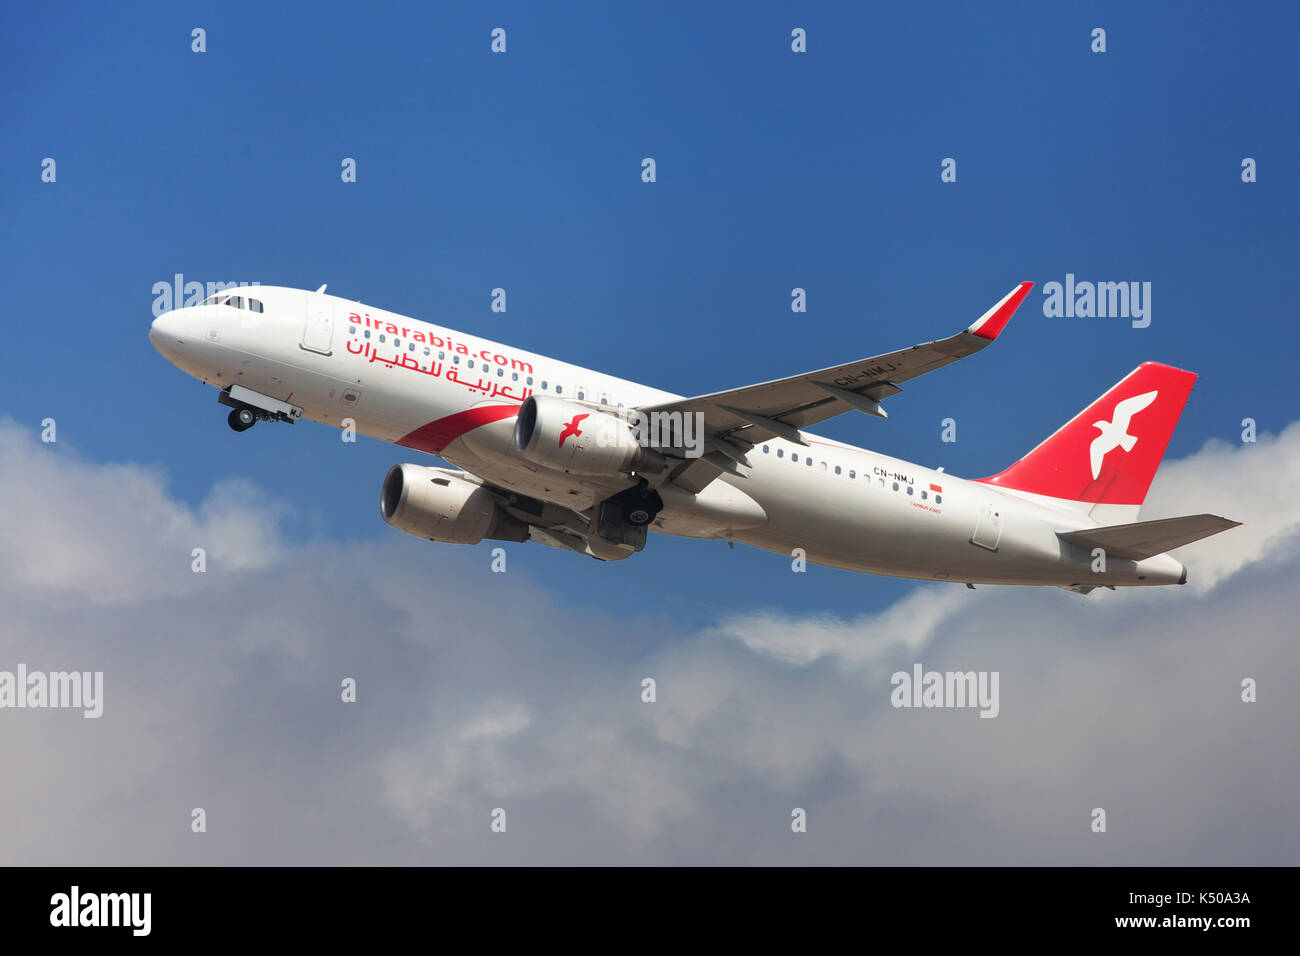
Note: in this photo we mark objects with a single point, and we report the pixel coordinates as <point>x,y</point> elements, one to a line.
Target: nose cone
<point>166,335</point>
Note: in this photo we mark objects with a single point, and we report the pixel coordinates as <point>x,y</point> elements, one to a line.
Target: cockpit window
<point>234,301</point>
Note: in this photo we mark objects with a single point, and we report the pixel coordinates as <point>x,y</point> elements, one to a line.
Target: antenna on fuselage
<point>322,288</point>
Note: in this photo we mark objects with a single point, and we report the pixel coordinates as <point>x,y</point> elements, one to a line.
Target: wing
<point>735,420</point>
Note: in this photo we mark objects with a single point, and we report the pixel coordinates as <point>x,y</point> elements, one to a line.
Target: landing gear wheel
<point>638,516</point>
<point>641,508</point>
<point>241,419</point>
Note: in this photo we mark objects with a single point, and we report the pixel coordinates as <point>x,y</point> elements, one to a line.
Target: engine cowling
<point>438,504</point>
<point>580,439</point>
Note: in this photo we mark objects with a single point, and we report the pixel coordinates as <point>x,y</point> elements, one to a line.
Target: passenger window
<point>352,330</point>
<point>794,457</point>
<point>780,453</point>
<point>500,372</point>
<point>441,355</point>
<point>559,389</point>
<point>837,469</point>
<point>426,351</point>
<point>909,489</point>
<point>381,337</point>
<point>544,385</point>
<point>808,460</point>
<point>938,499</point>
<point>764,449</point>
<point>581,396</point>
<point>851,473</point>
<point>604,400</point>
<point>514,376</point>
<point>530,380</point>
<point>895,486</point>
<point>471,363</point>
<point>923,494</point>
<point>455,359</point>
<point>367,333</point>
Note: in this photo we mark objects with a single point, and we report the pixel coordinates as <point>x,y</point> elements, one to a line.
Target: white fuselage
<point>845,507</point>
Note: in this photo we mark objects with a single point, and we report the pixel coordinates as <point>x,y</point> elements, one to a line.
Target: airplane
<point>575,459</point>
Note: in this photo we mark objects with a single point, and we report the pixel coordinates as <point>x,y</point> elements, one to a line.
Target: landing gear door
<point>988,529</point>
<point>318,329</point>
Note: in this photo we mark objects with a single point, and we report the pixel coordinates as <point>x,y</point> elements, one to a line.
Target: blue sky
<point>775,170</point>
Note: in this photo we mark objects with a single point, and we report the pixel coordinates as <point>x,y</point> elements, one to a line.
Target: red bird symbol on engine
<point>571,428</point>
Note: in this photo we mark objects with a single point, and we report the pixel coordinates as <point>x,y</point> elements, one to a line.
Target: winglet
<point>991,322</point>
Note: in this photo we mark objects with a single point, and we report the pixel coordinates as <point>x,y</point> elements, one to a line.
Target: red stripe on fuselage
<point>437,435</point>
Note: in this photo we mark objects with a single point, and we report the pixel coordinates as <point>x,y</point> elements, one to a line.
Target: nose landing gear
<point>249,407</point>
<point>242,419</point>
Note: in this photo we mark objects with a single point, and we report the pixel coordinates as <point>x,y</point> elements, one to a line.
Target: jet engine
<point>580,439</point>
<point>442,505</point>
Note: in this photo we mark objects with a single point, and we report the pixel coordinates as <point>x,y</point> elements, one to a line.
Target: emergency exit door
<point>318,329</point>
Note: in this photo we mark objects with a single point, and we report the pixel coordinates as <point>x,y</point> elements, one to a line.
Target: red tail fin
<point>1110,451</point>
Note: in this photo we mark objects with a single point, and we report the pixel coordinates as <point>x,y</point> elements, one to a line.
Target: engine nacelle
<point>580,439</point>
<point>438,504</point>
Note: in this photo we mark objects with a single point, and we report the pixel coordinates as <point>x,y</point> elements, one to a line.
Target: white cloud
<point>92,531</point>
<point>910,623</point>
<point>1252,483</point>
<point>222,690</point>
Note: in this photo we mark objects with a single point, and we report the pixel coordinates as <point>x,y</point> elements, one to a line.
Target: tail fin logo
<point>1114,433</point>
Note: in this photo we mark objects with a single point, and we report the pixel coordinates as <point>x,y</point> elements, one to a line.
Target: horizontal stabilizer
<point>1146,539</point>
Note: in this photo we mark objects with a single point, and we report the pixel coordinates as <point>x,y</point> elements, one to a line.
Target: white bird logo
<point>1114,433</point>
